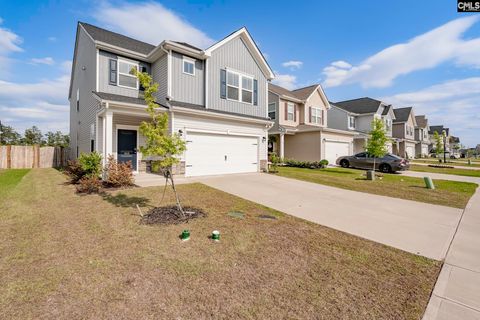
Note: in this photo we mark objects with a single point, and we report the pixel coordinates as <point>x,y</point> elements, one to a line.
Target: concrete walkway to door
<point>416,227</point>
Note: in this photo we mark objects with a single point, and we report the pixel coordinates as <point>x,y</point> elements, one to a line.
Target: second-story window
<point>188,66</point>
<point>272,110</point>
<point>388,124</point>
<point>351,122</point>
<point>316,115</point>
<point>239,87</point>
<point>126,77</point>
<point>291,111</point>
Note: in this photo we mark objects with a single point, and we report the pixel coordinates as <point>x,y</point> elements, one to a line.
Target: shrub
<point>91,163</point>
<point>275,160</point>
<point>74,170</point>
<point>118,174</point>
<point>305,164</point>
<point>89,184</point>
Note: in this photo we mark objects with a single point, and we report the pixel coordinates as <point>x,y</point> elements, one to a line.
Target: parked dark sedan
<point>388,163</point>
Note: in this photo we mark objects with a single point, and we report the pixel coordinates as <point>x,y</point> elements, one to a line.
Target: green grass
<point>449,162</point>
<point>447,193</point>
<point>455,171</point>
<point>9,179</point>
<point>66,256</point>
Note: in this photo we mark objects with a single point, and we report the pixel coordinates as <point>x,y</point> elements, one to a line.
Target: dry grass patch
<point>65,256</point>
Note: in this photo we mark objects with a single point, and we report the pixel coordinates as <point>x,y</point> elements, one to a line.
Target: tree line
<point>32,136</point>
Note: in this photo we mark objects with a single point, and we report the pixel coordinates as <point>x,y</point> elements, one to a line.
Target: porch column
<point>97,149</point>
<point>282,145</point>
<point>108,123</point>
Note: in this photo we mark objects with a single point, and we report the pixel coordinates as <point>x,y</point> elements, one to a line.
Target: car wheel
<point>344,163</point>
<point>385,168</point>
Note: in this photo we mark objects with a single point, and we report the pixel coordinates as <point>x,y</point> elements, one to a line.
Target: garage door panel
<point>336,149</point>
<point>209,154</point>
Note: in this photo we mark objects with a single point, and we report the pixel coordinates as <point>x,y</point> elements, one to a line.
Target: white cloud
<point>293,64</point>
<point>9,43</point>
<point>47,60</point>
<point>150,22</point>
<point>454,103</point>
<point>425,51</point>
<point>287,81</point>
<point>52,39</point>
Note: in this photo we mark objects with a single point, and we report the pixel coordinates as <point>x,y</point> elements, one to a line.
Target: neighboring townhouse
<point>357,116</point>
<point>440,129</point>
<point>216,99</point>
<point>300,131</point>
<point>454,144</point>
<point>404,132</point>
<point>422,148</point>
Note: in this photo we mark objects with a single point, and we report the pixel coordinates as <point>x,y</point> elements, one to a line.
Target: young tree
<point>8,135</point>
<point>438,144</point>
<point>159,143</point>
<point>377,142</point>
<point>33,136</point>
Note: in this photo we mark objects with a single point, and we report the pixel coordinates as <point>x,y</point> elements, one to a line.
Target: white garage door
<point>209,154</point>
<point>410,151</point>
<point>336,149</point>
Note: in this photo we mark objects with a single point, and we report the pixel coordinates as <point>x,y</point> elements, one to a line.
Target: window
<point>316,116</point>
<point>188,66</point>
<point>361,155</point>
<point>290,111</point>
<point>239,87</point>
<point>351,122</point>
<point>78,100</point>
<point>388,124</point>
<point>126,78</point>
<point>272,110</point>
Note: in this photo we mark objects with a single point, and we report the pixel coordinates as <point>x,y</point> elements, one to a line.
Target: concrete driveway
<point>415,227</point>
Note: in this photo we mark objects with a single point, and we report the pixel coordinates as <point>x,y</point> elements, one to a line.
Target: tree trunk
<point>373,165</point>
<point>179,206</point>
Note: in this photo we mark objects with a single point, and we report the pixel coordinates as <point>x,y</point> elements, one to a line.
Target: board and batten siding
<point>188,122</point>
<point>337,119</point>
<point>235,55</point>
<point>160,75</point>
<point>103,75</point>
<point>85,81</point>
<point>186,87</point>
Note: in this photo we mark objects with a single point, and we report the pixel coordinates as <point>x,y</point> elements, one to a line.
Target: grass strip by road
<point>448,163</point>
<point>447,193</point>
<point>69,256</point>
<point>454,171</point>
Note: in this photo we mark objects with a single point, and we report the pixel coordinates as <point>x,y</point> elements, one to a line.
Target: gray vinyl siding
<point>337,119</point>
<point>103,75</point>
<point>235,55</point>
<point>185,87</point>
<point>160,75</point>
<point>273,98</point>
<point>85,80</point>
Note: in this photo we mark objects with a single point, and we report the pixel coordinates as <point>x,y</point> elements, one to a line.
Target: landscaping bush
<point>89,184</point>
<point>91,163</point>
<point>274,160</point>
<point>74,170</point>
<point>118,174</point>
<point>305,164</point>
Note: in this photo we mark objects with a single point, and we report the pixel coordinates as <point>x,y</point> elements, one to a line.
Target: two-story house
<point>404,131</point>
<point>300,131</point>
<point>216,99</point>
<point>441,130</point>
<point>357,115</point>
<point>422,137</point>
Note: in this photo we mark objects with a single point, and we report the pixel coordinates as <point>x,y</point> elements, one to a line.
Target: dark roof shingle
<point>304,93</point>
<point>402,114</point>
<point>360,105</point>
<point>422,121</point>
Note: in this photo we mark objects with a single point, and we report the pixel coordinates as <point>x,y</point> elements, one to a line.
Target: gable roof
<point>402,114</point>
<point>360,105</point>
<point>284,93</point>
<point>439,129</point>
<point>422,121</point>
<point>305,92</point>
<point>116,39</point>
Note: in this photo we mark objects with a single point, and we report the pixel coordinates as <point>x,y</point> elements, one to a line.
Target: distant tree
<point>438,141</point>
<point>57,139</point>
<point>33,136</point>
<point>377,142</point>
<point>8,135</point>
<point>159,142</point>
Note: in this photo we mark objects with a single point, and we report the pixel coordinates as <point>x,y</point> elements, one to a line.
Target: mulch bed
<point>171,215</point>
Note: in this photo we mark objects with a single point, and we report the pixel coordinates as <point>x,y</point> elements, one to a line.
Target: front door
<point>127,147</point>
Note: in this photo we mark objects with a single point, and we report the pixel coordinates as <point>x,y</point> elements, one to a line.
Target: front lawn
<point>65,256</point>
<point>447,193</point>
<point>9,179</point>
<point>455,162</point>
<point>455,171</point>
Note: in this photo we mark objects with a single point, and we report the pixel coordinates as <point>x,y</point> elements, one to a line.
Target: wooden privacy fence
<point>20,157</point>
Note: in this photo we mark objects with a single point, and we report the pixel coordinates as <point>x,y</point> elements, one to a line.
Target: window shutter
<point>310,114</point>
<point>223,83</point>
<point>294,112</point>
<point>255,92</point>
<point>113,72</point>
<point>286,111</point>
<point>323,121</point>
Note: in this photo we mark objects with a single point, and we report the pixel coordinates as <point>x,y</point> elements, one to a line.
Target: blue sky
<point>409,53</point>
